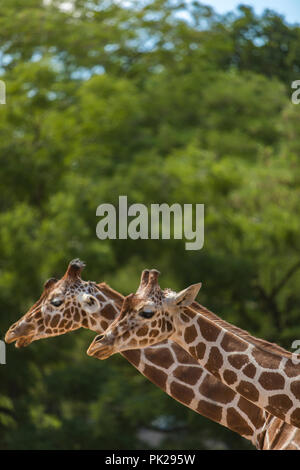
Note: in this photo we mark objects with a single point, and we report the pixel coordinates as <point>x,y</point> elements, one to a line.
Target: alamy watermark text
<point>296,94</point>
<point>2,352</point>
<point>188,222</point>
<point>2,92</point>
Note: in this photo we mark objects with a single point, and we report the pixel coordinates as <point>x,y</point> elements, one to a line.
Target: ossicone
<point>144,279</point>
<point>153,277</point>
<point>74,269</point>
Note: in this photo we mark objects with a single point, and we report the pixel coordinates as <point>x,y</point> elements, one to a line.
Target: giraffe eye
<point>145,314</point>
<point>56,302</point>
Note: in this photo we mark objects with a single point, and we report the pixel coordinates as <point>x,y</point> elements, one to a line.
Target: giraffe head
<point>146,318</point>
<point>65,305</point>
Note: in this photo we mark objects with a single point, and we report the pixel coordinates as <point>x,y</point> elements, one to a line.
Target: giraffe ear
<point>188,295</point>
<point>50,282</point>
<point>89,302</point>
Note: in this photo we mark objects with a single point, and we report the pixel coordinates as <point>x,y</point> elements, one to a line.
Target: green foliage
<point>104,101</point>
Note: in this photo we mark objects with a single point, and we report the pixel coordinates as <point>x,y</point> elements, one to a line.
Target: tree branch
<point>285,279</point>
<point>271,304</point>
<point>269,299</point>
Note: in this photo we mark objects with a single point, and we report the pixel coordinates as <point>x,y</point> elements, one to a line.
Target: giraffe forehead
<point>156,295</point>
<point>149,306</point>
<point>57,293</point>
<point>68,290</point>
<point>153,300</point>
<point>155,304</point>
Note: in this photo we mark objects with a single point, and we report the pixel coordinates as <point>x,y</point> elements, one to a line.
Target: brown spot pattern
<point>215,361</point>
<point>279,402</point>
<point>126,335</point>
<point>295,388</point>
<point>156,376</point>
<point>271,381</point>
<point>142,331</point>
<point>109,312</point>
<point>153,333</point>
<point>237,423</point>
<point>181,355</point>
<point>133,356</point>
<point>249,371</point>
<point>269,361</point>
<point>184,318</point>
<point>76,316</point>
<point>68,313</point>
<point>188,374</point>
<point>295,417</point>
<point>198,351</point>
<point>292,370</point>
<point>63,322</point>
<point>100,297</point>
<point>216,391</point>
<point>190,334</point>
<point>230,377</point>
<point>252,411</point>
<point>208,329</point>
<point>238,360</point>
<point>248,390</point>
<point>181,392</point>
<point>231,344</point>
<point>163,357</point>
<point>210,410</point>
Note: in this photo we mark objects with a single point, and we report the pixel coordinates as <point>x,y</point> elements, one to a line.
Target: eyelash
<point>56,302</point>
<point>146,314</point>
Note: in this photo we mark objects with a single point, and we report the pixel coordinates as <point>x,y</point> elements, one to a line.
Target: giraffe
<point>70,303</point>
<point>261,372</point>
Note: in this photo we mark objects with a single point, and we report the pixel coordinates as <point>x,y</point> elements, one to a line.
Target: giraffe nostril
<point>99,338</point>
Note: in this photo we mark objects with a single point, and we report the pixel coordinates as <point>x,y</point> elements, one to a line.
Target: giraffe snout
<point>17,331</point>
<point>10,336</point>
<point>102,346</point>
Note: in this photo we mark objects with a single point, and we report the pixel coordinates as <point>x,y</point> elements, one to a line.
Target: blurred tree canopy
<point>162,101</point>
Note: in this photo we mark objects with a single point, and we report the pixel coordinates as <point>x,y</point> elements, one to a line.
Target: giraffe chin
<point>22,342</point>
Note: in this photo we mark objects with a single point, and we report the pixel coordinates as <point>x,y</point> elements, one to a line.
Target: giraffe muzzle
<point>102,347</point>
<point>22,334</point>
<point>101,353</point>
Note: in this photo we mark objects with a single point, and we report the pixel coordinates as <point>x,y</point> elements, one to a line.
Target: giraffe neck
<point>173,370</point>
<point>263,375</point>
<point>279,435</point>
